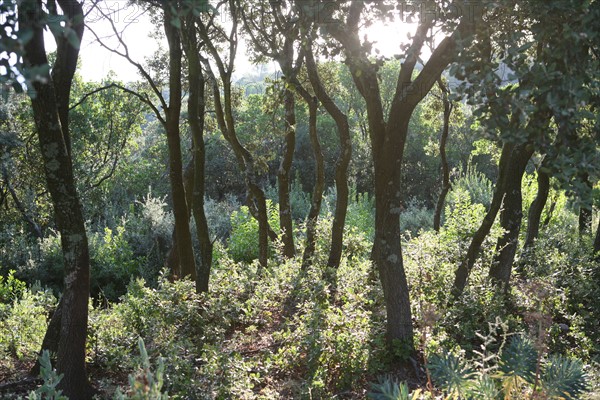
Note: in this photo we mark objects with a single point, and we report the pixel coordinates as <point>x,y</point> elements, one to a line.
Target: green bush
<point>168,318</point>
<point>243,242</point>
<point>10,288</point>
<point>516,377</point>
<point>473,182</point>
<point>23,324</point>
<point>416,217</point>
<point>112,263</point>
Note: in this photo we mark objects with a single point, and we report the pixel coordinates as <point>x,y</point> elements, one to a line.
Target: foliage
<point>51,380</point>
<point>389,389</point>
<point>145,384</point>
<point>10,287</point>
<point>243,242</point>
<point>517,375</point>
<point>23,324</point>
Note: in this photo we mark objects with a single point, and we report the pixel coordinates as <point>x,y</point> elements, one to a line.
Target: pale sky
<point>97,62</point>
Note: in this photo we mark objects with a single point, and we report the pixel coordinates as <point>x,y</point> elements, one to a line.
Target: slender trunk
<point>226,121</point>
<point>60,180</point>
<point>510,216</point>
<point>317,195</point>
<point>465,267</point>
<point>585,219</point>
<point>256,197</point>
<point>341,170</point>
<point>283,176</point>
<point>196,108</point>
<point>550,212</point>
<point>444,160</point>
<point>597,242</point>
<point>537,206</point>
<point>185,250</point>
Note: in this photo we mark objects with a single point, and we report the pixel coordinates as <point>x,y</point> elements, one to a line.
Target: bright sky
<point>97,62</point>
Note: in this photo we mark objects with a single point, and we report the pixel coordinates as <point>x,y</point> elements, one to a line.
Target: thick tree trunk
<point>537,206</point>
<point>437,217</point>
<point>172,259</point>
<point>283,176</point>
<point>58,169</point>
<point>341,169</point>
<point>465,267</point>
<point>511,216</point>
<point>387,249</point>
<point>185,250</point>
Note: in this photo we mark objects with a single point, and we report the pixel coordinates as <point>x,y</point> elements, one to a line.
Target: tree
<point>170,119</point>
<point>520,113</point>
<point>444,160</point>
<point>196,110</point>
<point>213,37</point>
<point>388,135</point>
<point>50,104</point>
<point>273,29</point>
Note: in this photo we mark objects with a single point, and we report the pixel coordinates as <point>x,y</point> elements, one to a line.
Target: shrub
<point>168,318</point>
<point>112,263</point>
<point>10,287</point>
<point>416,217</point>
<point>479,188</point>
<point>518,375</point>
<point>243,242</point>
<point>23,324</point>
<point>51,380</point>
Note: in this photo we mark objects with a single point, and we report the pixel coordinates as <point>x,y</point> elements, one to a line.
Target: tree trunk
<point>317,196</point>
<point>283,176</point>
<point>226,121</point>
<point>437,217</point>
<point>185,250</point>
<point>597,242</point>
<point>387,249</point>
<point>537,206</point>
<point>172,259</point>
<point>510,216</point>
<point>463,271</point>
<point>58,169</point>
<point>585,209</point>
<point>196,108</point>
<point>341,169</point>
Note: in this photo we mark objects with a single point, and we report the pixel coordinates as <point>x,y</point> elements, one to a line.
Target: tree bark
<point>465,267</point>
<point>172,259</point>
<point>537,206</point>
<point>597,242</point>
<point>196,108</point>
<point>226,122</point>
<point>185,250</point>
<point>342,163</point>
<point>283,176</point>
<point>510,216</point>
<point>585,209</point>
<point>317,195</point>
<point>444,160</point>
<point>58,170</point>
